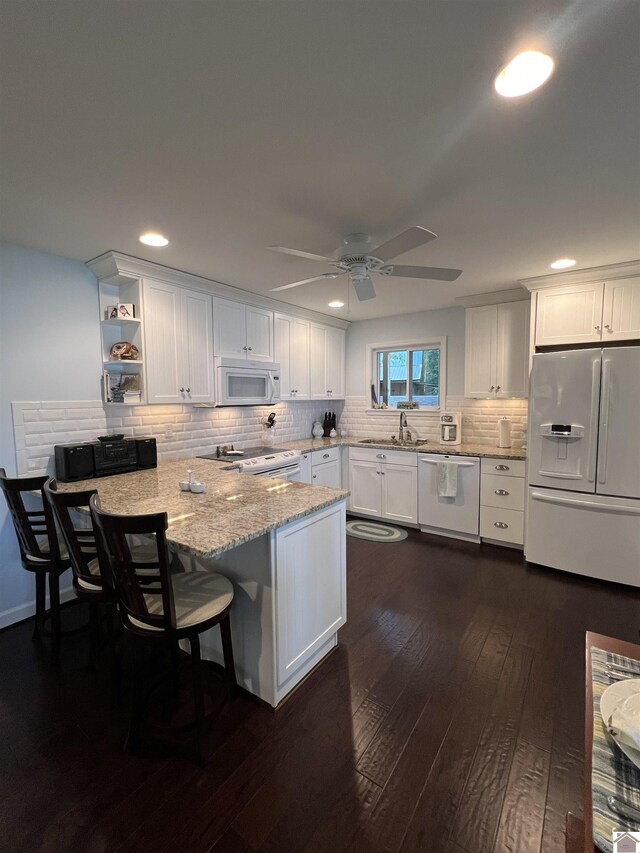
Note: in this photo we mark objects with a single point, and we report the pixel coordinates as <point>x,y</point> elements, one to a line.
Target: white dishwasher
<point>457,516</point>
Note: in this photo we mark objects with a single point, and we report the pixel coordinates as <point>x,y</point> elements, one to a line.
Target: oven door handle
<point>280,472</point>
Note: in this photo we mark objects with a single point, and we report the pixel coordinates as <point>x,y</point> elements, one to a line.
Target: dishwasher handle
<point>459,464</point>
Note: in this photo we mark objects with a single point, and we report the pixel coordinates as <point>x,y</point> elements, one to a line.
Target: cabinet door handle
<point>325,455</point>
<point>188,390</point>
<point>597,328</point>
<point>501,492</point>
<point>498,387</point>
<point>381,456</point>
<point>502,468</point>
<point>250,349</point>
<point>182,390</point>
<point>315,476</point>
<point>383,473</point>
<point>608,328</point>
<point>500,524</point>
<point>244,348</point>
<point>492,388</point>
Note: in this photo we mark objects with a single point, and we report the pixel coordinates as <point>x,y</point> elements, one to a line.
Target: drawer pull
<point>501,524</point>
<point>326,456</point>
<point>381,456</point>
<point>501,492</point>
<point>502,468</point>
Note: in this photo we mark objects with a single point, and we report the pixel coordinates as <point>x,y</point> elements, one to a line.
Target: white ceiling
<point>230,126</point>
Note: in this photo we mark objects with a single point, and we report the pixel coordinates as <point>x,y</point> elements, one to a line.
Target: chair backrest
<point>80,541</point>
<point>35,529</point>
<point>140,585</point>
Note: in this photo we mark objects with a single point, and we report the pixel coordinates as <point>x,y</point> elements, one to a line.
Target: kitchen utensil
<point>612,697</point>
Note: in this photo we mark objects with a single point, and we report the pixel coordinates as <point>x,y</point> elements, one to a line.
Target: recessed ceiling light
<point>336,304</point>
<point>151,238</point>
<point>563,264</point>
<point>526,72</point>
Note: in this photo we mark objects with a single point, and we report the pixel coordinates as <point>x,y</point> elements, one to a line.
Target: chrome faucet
<point>403,424</point>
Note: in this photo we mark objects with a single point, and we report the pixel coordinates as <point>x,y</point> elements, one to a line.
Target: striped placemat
<point>612,772</point>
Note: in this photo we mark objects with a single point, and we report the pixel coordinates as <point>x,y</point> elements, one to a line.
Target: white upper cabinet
<point>590,312</point>
<point>621,310</point>
<point>496,350</point>
<point>327,362</point>
<point>197,349</point>
<point>178,344</point>
<point>242,331</point>
<point>571,314</point>
<point>291,352</point>
<point>481,331</point>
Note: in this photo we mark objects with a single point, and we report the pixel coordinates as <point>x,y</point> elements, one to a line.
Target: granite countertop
<point>235,508</point>
<point>307,445</point>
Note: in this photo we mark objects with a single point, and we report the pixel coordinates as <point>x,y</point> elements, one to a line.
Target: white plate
<point>613,696</point>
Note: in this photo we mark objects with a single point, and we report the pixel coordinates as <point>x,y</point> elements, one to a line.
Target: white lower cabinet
<point>502,501</point>
<point>326,469</point>
<point>384,484</point>
<point>290,600</point>
<point>311,594</point>
<point>305,469</point>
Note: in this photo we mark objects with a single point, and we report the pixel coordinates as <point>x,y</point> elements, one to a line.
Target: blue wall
<point>49,350</point>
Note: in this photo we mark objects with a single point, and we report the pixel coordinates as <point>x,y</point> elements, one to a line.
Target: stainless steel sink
<point>395,442</point>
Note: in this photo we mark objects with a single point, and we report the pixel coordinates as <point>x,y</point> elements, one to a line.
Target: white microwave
<point>246,383</point>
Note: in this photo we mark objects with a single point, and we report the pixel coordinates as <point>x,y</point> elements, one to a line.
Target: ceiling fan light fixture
<point>336,304</point>
<point>527,71</point>
<point>152,238</point>
<point>563,264</point>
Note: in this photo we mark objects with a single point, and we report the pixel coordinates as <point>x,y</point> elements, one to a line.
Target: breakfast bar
<point>281,543</point>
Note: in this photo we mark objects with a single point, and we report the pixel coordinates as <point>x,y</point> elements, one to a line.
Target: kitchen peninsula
<point>281,543</point>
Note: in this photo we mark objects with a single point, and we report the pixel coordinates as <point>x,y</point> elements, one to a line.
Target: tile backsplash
<point>479,424</point>
<point>180,430</point>
<point>187,431</point>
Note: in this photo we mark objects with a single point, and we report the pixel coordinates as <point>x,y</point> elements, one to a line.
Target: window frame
<point>415,344</point>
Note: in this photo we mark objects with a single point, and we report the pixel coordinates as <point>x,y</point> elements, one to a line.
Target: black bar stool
<point>157,605</point>
<point>40,550</point>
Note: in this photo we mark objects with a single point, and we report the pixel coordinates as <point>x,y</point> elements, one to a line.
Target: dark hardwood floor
<point>448,720</point>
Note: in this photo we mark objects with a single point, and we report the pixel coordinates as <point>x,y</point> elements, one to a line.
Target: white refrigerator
<point>583,495</point>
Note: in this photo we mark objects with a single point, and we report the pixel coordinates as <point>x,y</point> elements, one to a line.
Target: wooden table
<point>577,841</point>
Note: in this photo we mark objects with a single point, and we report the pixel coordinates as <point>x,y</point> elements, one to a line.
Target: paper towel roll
<point>504,432</point>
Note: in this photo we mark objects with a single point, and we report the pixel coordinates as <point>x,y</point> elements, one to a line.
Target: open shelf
<point>117,321</point>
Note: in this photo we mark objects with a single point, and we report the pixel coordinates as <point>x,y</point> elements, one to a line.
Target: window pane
<point>397,377</point>
<point>425,377</point>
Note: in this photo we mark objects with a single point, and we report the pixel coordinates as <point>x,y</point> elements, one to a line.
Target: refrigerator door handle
<point>604,424</point>
<point>593,420</point>
<point>585,504</point>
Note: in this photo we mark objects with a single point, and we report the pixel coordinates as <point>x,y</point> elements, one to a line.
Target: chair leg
<point>94,633</point>
<point>116,667</point>
<point>54,599</point>
<point>132,743</point>
<point>227,649</point>
<point>41,592</point>
<point>198,694</point>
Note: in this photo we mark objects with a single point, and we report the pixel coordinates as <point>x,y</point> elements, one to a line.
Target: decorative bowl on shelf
<point>124,351</point>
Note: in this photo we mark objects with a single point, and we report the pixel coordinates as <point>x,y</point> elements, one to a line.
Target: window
<point>409,372</point>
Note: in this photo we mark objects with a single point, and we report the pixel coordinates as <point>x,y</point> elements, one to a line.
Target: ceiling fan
<point>358,258</point>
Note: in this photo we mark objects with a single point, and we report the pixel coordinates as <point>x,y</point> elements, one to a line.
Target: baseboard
<point>26,611</point>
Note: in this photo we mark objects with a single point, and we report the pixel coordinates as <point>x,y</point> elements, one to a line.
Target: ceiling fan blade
<point>409,239</point>
<point>307,280</point>
<point>299,254</point>
<point>364,289</point>
<point>436,273</point>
